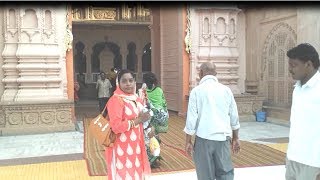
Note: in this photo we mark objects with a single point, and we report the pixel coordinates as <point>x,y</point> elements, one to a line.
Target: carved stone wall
<point>216,34</point>
<point>26,118</point>
<point>32,55</point>
<point>33,76</point>
<point>247,105</point>
<point>272,32</point>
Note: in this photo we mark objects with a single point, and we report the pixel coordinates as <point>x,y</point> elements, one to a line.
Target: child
<point>152,144</point>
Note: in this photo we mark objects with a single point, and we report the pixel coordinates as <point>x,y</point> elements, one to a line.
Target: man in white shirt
<point>213,117</point>
<point>103,86</point>
<point>303,155</point>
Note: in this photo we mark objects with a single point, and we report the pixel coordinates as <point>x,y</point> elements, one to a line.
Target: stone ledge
<point>247,105</point>
<point>36,117</point>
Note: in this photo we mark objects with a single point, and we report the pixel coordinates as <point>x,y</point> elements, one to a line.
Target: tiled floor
<point>253,173</point>
<point>41,145</point>
<point>72,142</point>
<point>57,147</point>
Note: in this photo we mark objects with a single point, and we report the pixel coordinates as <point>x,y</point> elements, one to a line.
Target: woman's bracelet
<point>132,123</point>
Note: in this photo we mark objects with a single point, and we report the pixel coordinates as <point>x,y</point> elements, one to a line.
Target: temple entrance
<point>105,38</point>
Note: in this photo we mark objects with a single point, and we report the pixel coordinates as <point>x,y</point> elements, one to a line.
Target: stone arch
<point>30,19</point>
<point>80,58</point>
<point>276,81</point>
<point>132,58</point>
<point>95,56</point>
<point>221,25</point>
<point>146,58</point>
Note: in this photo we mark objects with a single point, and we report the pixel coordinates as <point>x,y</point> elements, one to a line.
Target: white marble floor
<point>24,146</point>
<point>72,142</point>
<point>252,173</point>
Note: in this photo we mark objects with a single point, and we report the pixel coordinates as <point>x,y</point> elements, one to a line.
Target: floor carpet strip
<point>174,157</point>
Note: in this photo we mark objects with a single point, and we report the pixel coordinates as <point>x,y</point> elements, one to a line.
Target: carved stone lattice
<point>274,69</point>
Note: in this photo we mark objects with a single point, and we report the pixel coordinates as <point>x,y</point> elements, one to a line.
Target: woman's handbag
<point>100,129</point>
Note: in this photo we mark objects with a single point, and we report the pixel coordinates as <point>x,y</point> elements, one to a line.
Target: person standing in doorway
<point>103,86</point>
<point>303,155</point>
<point>213,117</point>
<point>112,76</point>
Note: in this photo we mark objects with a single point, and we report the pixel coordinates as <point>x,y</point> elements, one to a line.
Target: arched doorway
<point>109,34</point>
<point>277,80</point>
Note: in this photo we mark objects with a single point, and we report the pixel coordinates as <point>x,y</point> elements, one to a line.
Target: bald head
<point>208,68</point>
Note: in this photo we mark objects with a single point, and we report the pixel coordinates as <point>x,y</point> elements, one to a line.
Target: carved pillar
<point>35,97</point>
<point>139,60</point>
<point>155,42</point>
<point>124,52</point>
<point>218,42</point>
<point>39,57</point>
<point>194,32</point>
<point>10,61</point>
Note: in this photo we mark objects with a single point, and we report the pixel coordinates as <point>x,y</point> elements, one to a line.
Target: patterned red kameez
<point>127,159</point>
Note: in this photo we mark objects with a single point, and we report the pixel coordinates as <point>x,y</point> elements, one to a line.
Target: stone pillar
<point>139,48</point>
<point>218,36</point>
<point>124,52</point>
<point>38,52</point>
<point>155,42</point>
<point>10,61</point>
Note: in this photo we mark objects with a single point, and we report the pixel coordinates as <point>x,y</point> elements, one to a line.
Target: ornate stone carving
<point>275,82</point>
<point>187,39</point>
<point>31,118</point>
<point>206,29</point>
<point>39,78</point>
<point>63,116</point>
<point>10,61</point>
<point>245,108</point>
<point>47,117</point>
<point>136,13</point>
<point>15,118</point>
<point>218,42</point>
<point>105,14</point>
<point>248,104</point>
<point>48,29</point>
<point>2,118</point>
<point>35,117</point>
<point>221,38</point>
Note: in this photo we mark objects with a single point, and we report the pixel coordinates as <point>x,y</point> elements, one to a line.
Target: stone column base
<point>36,117</point>
<point>247,105</point>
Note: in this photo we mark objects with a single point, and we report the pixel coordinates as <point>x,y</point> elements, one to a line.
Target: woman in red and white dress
<point>127,159</point>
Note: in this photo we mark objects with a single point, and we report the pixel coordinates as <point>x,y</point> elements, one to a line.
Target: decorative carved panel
<point>276,79</point>
<point>122,13</point>
<point>10,60</point>
<point>216,30</point>
<point>34,118</point>
<point>105,13</point>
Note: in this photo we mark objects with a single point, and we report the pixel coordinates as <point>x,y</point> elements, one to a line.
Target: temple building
<point>46,48</point>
